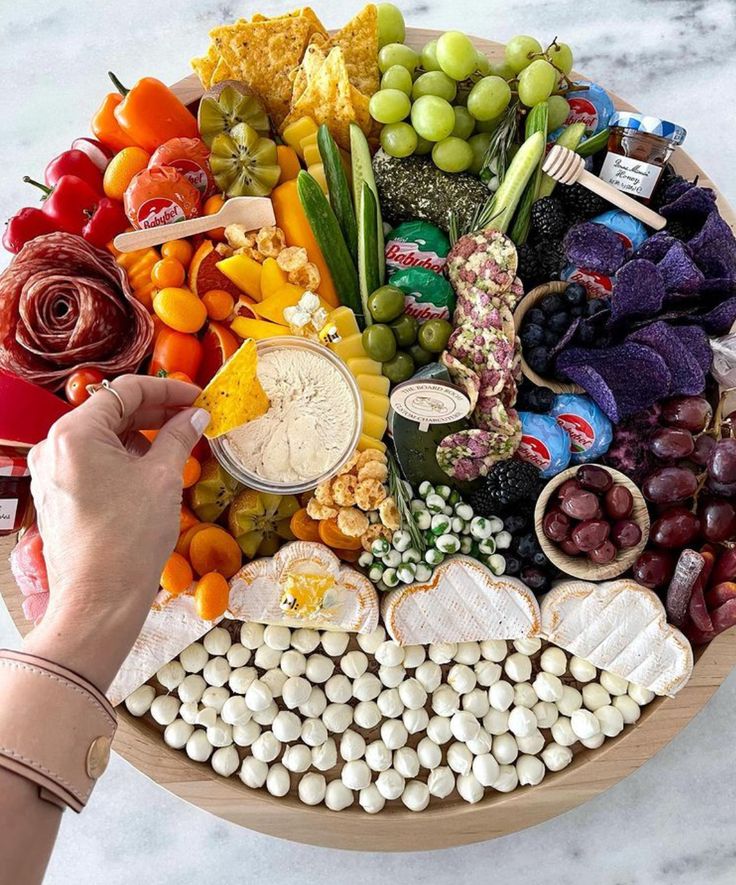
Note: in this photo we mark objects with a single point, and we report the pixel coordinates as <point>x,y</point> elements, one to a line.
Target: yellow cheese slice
<point>374,384</point>
<point>364,366</point>
<point>374,425</point>
<point>350,347</point>
<point>376,403</point>
<point>343,319</point>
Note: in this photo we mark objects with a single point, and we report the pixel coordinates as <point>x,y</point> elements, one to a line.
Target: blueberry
<point>575,295</point>
<point>551,338</point>
<point>542,398</point>
<point>550,303</point>
<point>559,322</point>
<point>532,335</point>
<point>594,306</point>
<point>538,359</point>
<point>529,546</point>
<point>513,565</point>
<point>515,523</point>
<point>578,311</point>
<point>539,559</point>
<point>536,316</point>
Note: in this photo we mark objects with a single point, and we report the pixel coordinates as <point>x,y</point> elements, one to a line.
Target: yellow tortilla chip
<point>359,41</point>
<point>234,396</point>
<point>204,67</point>
<point>222,72</point>
<point>313,60</point>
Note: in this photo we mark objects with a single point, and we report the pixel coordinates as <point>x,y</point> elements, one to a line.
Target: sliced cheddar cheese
<point>374,384</point>
<point>367,442</point>
<point>375,403</point>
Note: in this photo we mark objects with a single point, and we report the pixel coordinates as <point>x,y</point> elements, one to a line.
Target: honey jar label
<point>634,177</point>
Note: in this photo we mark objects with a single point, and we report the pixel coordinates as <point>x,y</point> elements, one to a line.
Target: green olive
<point>386,304</point>
<point>434,335</point>
<point>400,368</point>
<point>379,342</point>
<point>405,330</point>
<point>420,356</point>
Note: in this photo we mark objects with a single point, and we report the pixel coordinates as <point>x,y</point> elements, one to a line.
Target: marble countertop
<point>671,821</point>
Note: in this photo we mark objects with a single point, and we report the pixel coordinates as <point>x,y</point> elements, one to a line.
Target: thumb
<point>176,439</point>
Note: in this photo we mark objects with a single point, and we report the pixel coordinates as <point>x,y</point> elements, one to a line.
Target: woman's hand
<point>109,517</point>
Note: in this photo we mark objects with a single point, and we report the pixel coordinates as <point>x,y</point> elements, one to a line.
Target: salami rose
<point>66,305</point>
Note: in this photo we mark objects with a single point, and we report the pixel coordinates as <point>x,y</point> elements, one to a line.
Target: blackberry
<point>551,257</point>
<point>666,180</point>
<point>548,219</point>
<point>580,204</point>
<point>682,229</point>
<point>509,482</point>
<point>529,269</point>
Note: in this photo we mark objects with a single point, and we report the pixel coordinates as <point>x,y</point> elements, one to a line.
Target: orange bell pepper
<point>151,114</point>
<point>106,128</point>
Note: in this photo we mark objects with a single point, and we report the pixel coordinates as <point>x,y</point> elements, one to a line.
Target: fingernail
<point>200,419</point>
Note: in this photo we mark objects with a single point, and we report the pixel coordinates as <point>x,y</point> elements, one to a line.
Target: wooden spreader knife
<point>252,212</point>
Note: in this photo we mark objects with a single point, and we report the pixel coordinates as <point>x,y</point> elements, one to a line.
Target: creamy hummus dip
<point>309,424</point>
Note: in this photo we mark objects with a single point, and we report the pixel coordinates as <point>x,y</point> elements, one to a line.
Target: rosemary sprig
<point>398,492</point>
<point>502,138</point>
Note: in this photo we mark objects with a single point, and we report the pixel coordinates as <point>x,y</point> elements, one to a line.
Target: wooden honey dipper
<point>567,167</point>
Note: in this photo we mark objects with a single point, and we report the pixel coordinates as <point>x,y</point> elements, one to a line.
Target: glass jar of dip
<point>15,490</point>
<point>638,149</point>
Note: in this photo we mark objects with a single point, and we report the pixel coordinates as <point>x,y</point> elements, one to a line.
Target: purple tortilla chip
<point>675,190</point>
<point>622,380</point>
<point>679,271</point>
<point>566,338</point>
<point>697,343</point>
<point>693,201</point>
<point>687,376</point>
<point>638,290</point>
<point>594,247</point>
<point>714,248</point>
<point>719,286</point>
<point>719,320</point>
<point>656,247</point>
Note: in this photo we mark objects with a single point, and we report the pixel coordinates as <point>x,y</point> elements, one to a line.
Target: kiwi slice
<point>244,163</point>
<point>212,493</point>
<point>260,521</point>
<point>228,104</point>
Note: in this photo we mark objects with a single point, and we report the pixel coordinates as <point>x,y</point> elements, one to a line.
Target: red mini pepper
<point>25,225</point>
<point>73,162</point>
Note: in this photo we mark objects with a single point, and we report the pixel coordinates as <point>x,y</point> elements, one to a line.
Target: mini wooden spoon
<point>251,212</point>
<point>567,167</point>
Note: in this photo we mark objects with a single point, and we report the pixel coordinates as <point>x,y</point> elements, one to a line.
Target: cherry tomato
<point>175,352</point>
<point>76,385</point>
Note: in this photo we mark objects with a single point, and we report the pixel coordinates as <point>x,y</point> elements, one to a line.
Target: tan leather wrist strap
<point>56,728</point>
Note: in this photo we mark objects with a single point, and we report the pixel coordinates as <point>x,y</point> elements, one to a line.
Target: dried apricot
<point>304,527</point>
<point>177,575</point>
<point>211,596</point>
<point>333,537</point>
<point>215,550</point>
<point>191,473</point>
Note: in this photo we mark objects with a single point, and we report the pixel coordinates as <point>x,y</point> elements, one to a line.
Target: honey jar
<point>15,490</point>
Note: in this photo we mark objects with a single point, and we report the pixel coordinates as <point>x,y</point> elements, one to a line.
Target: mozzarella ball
<point>501,695</point>
<point>277,636</point>
<point>505,749</point>
<point>267,716</point>
<point>390,703</point>
<point>253,772</point>
<point>251,635</point>
<point>459,758</point>
<point>220,734</point>
<point>438,729</point>
<point>165,708</point>
<point>267,658</point>
<point>295,691</point>
<point>305,640</point>
<point>611,720</point>
<point>556,757</point>
<point>485,769</point>
<point>315,705</point>
<point>355,774</point>
<point>614,685</point>
<point>442,652</point>
<point>324,757</point>
<point>391,677</point>
<point>366,687</point>
<point>626,706</point>
<point>235,711</point>
<point>266,747</point>
<point>522,722</point>
<point>258,696</point>
<point>487,672</point>
<point>389,654</point>
<point>464,726</point>
<point>287,726</point>
<point>338,689</point>
<point>415,720</point>
<point>334,642</point>
<point>406,762</point>
<point>429,675</point>
<point>275,680</point>
<point>582,670</point>
<point>378,756</point>
<point>206,717</point>
<point>528,645</point>
<point>171,675</point>
<point>217,641</point>
<point>562,732</point>
<point>293,663</point>
<point>584,724</point>
<point>370,800</point>
<point>496,721</point>
<point>369,642</point>
<point>532,743</point>
<point>194,657</point>
<point>189,712</point>
<point>641,695</point>
<point>366,714</point>
<point>238,655</point>
<point>297,757</point>
<point>524,695</point>
<point>548,687</point>
<point>595,696</point>
<point>414,656</point>
<point>480,744</point>
<point>390,784</point>
<point>278,780</point>
<point>312,788</point>
<point>412,693</point>
<point>494,650</point>
<point>476,702</point>
<point>507,780</point>
<point>415,796</point>
<point>177,733</point>
<point>546,713</point>
<point>191,689</point>
<point>225,761</point>
<point>337,796</point>
<point>530,770</point>
<point>138,702</point>
<point>354,664</point>
<point>592,743</point>
<point>445,701</point>
<point>470,788</point>
<point>429,753</point>
<point>244,735</point>
<point>467,653</point>
<point>553,660</point>
<point>461,678</point>
<point>314,732</point>
<point>352,745</point>
<point>570,701</point>
<point>217,671</point>
<point>393,734</point>
<point>215,697</point>
<point>441,782</point>
<point>241,678</point>
<point>518,667</point>
<point>337,717</point>
<point>198,747</point>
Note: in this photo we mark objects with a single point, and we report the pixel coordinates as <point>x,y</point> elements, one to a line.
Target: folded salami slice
<point>66,305</point>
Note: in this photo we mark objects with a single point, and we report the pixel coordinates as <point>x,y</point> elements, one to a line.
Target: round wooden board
<point>450,823</point>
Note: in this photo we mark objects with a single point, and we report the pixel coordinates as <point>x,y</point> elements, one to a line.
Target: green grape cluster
<point>448,99</point>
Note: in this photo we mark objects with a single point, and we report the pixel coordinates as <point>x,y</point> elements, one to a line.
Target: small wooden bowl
<point>581,566</point>
<point>527,303</point>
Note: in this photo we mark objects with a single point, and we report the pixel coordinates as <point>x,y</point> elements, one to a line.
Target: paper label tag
<point>429,402</point>
<point>631,176</point>
<point>8,512</point>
